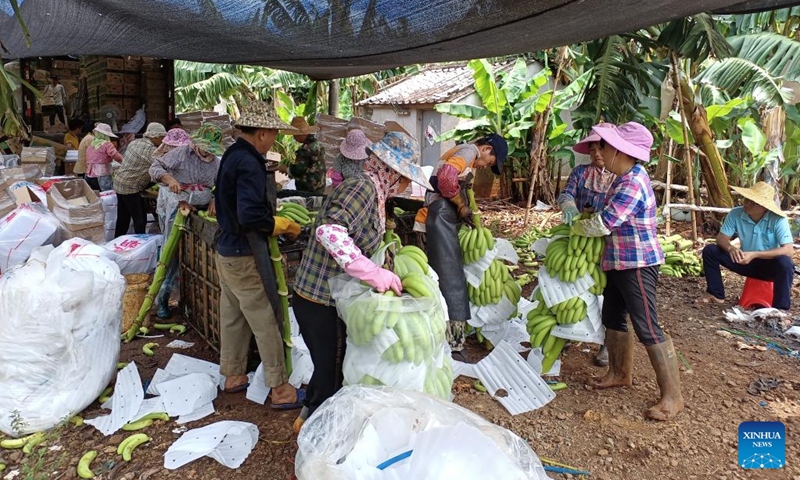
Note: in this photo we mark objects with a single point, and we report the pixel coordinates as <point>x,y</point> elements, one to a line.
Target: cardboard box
<point>38,155</point>
<point>94,234</point>
<point>75,205</point>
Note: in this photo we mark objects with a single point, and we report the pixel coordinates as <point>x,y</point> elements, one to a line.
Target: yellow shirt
<point>71,141</point>
<point>80,165</point>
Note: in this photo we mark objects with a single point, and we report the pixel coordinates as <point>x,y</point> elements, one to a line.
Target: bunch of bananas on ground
<point>294,212</point>
<point>496,284</point>
<point>522,246</point>
<point>680,259</point>
<point>474,243</point>
<point>570,257</point>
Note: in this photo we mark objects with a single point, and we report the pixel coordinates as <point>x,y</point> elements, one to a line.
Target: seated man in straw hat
<point>766,246</point>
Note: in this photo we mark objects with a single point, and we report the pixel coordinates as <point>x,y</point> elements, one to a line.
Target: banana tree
<point>511,102</point>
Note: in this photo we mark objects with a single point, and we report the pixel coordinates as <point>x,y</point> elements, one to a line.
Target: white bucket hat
<point>105,129</point>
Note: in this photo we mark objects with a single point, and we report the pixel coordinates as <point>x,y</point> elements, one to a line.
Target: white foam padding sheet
<point>127,400</point>
<point>227,442</point>
<point>505,369</point>
<point>555,291</point>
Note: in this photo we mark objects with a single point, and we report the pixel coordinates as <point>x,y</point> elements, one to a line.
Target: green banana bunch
<point>552,350</point>
<point>600,280</point>
<point>475,242</point>
<point>410,259</point>
<point>570,311</point>
<point>570,258</point>
<point>541,321</point>
<point>496,284</point>
<point>294,212</point>
<point>438,382</point>
<point>681,264</point>
<point>560,229</point>
<point>539,327</point>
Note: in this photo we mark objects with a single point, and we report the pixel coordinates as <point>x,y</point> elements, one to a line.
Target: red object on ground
<point>756,294</point>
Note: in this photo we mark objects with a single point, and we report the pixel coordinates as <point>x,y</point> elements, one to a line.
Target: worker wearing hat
<point>446,209</point>
<point>631,260</point>
<point>766,247</point>
<point>249,303</point>
<point>585,191</point>
<point>308,169</point>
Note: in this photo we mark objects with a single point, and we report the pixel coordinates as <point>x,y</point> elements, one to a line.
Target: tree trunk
<point>774,121</point>
<point>711,164</point>
<point>333,98</point>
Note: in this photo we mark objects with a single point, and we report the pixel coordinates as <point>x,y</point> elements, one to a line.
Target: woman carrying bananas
<point>446,208</point>
<point>585,191</point>
<point>631,261</point>
<point>348,230</point>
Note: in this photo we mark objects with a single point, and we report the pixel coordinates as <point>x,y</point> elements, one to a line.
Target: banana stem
<point>167,254</point>
<point>473,205</point>
<point>283,292</point>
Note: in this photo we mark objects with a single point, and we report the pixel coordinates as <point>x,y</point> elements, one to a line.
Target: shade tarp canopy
<point>331,38</point>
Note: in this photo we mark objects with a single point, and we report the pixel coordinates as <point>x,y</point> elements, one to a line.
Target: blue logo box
<point>762,445</point>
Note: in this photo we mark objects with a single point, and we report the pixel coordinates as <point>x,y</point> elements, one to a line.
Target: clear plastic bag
<point>394,341</point>
<point>367,433</point>
<point>59,337</point>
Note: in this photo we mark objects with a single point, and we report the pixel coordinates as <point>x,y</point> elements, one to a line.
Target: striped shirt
<point>630,215</point>
<point>185,166</point>
<point>353,206</point>
<point>133,175</point>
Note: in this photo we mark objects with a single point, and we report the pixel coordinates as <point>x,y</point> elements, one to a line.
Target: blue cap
<point>500,148</point>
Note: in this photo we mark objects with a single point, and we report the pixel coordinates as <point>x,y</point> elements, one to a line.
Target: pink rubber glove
<point>379,278</point>
<point>336,178</point>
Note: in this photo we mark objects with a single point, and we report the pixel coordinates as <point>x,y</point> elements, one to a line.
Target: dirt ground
<point>603,432</point>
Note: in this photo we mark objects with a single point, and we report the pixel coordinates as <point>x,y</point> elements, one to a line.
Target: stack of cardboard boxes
<point>78,208</point>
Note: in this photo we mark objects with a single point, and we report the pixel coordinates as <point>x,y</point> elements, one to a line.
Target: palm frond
<point>207,93</point>
<point>695,37</point>
<point>777,54</point>
<point>741,77</point>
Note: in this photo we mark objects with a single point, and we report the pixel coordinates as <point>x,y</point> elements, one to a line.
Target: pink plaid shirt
<point>630,214</point>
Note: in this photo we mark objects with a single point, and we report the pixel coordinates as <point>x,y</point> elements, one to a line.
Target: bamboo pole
<point>668,192</point>
<point>167,254</point>
<point>686,154</point>
<point>283,292</point>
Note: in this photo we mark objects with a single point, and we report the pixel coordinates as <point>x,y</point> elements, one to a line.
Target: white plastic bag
<point>135,253</point>
<point>29,226</point>
<point>59,337</point>
<point>395,341</point>
<point>361,429</point>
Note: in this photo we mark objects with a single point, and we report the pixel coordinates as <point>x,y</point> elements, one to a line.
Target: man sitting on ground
<point>766,247</point>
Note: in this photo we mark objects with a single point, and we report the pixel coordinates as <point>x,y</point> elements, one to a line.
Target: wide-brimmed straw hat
<point>209,138</point>
<point>302,127</point>
<point>177,137</point>
<point>401,152</point>
<point>258,114</point>
<point>633,139</point>
<point>155,130</point>
<point>104,129</point>
<point>355,144</point>
<point>763,194</point>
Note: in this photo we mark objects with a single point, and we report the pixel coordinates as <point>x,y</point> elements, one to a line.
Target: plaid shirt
<point>133,175</point>
<point>630,214</point>
<point>351,205</point>
<point>578,190</point>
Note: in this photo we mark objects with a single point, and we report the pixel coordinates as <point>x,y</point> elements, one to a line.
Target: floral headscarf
<point>99,140</point>
<point>176,137</point>
<point>346,168</point>
<point>207,139</point>
<point>386,180</point>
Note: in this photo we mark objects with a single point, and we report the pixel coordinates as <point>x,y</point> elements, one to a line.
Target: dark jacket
<point>241,199</point>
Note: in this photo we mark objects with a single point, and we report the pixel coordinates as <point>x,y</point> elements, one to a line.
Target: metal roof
<point>434,84</point>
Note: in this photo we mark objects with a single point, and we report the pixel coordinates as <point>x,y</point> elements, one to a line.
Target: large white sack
<point>135,253</point>
<point>29,226</point>
<point>60,321</point>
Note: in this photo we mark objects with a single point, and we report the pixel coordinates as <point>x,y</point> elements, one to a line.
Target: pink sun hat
<point>583,145</point>
<point>355,145</point>
<point>177,137</point>
<point>631,138</point>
